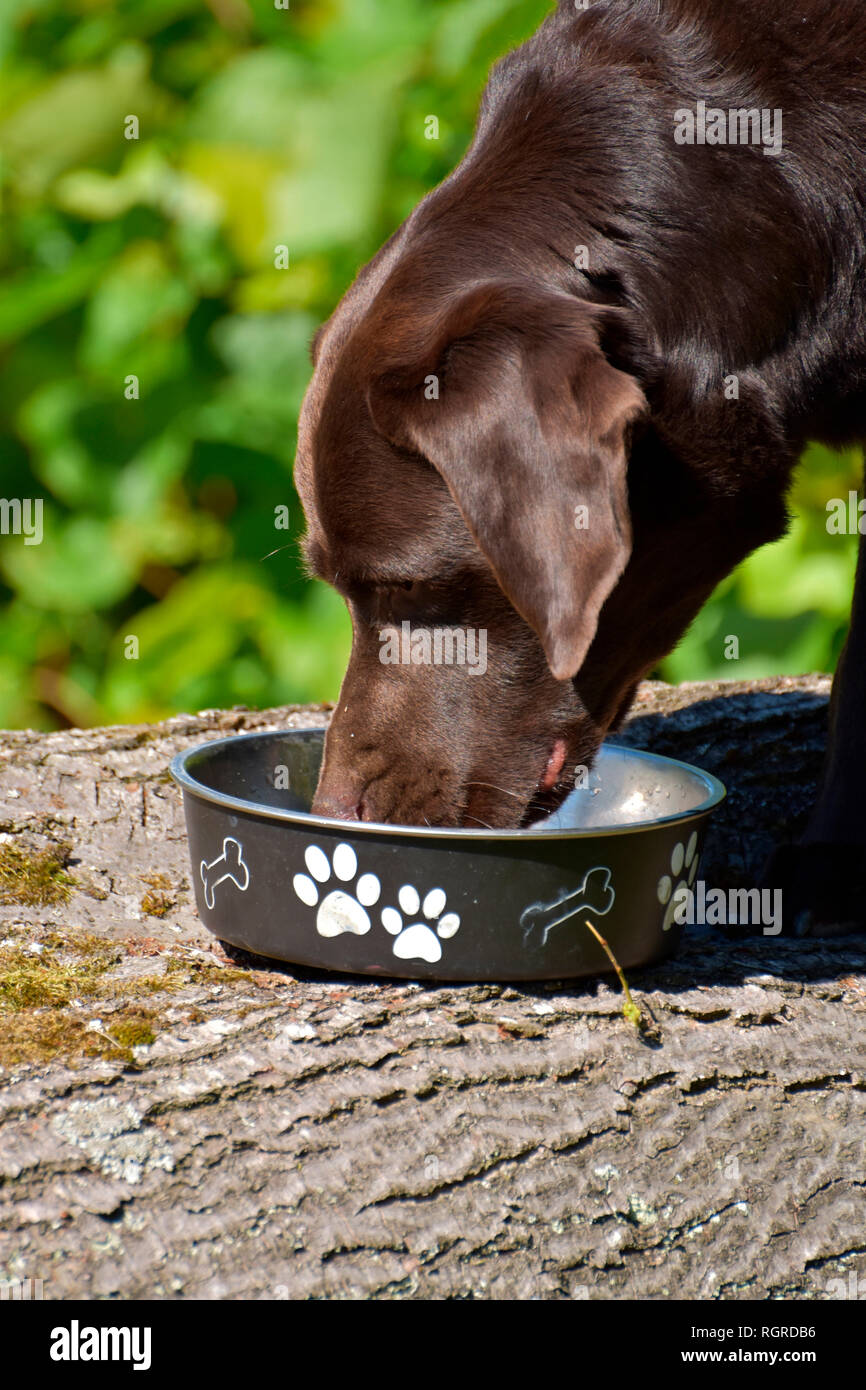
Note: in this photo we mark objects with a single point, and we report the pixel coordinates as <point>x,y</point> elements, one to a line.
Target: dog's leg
<point>823,878</point>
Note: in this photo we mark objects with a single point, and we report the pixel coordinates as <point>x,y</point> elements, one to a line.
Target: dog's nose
<point>341,803</point>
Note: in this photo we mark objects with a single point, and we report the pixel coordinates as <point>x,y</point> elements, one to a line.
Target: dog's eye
<point>420,590</point>
<point>405,598</point>
<point>403,587</point>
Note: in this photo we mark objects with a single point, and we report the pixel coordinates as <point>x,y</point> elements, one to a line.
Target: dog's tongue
<point>554,765</point>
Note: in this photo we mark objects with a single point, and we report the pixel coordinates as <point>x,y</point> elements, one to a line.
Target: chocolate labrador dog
<point>567,396</point>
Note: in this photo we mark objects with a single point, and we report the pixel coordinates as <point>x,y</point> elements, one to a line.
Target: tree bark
<point>288,1133</point>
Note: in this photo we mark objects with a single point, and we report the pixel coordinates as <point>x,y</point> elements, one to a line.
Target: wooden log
<point>178,1123</point>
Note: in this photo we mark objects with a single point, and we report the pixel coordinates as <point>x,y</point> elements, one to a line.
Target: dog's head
<point>463,469</point>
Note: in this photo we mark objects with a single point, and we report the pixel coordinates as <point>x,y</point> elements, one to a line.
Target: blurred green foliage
<point>153,253</point>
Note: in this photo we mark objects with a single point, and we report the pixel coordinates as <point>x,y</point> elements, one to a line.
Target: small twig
<point>100,1032</point>
<point>630,1009</point>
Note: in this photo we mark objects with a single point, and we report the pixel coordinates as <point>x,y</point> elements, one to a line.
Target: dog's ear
<point>510,397</point>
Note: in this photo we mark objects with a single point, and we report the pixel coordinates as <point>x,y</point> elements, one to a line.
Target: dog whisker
<point>491,786</point>
<point>278,550</point>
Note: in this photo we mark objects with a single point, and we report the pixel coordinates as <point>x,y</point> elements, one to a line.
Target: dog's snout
<point>341,802</point>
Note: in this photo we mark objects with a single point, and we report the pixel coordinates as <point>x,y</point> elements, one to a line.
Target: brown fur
<point>561,388</point>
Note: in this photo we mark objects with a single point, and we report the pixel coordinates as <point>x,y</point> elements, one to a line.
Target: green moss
<point>36,880</point>
<point>27,982</point>
<point>160,899</point>
<point>202,972</point>
<point>42,991</point>
<point>37,1019</point>
<point>157,904</point>
<point>49,978</point>
<point>83,946</point>
<point>41,1035</point>
<point>134,1029</point>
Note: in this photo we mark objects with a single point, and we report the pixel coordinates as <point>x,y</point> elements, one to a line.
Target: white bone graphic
<point>594,895</point>
<point>229,865</point>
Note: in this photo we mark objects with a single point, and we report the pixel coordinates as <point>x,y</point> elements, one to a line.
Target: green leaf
<point>77,117</point>
<point>79,565</point>
<point>37,296</point>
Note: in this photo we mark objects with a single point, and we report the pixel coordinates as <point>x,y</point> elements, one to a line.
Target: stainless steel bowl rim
<point>306,820</point>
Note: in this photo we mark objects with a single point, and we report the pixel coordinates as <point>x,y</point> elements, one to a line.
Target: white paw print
<point>340,911</point>
<point>683,861</point>
<point>419,941</point>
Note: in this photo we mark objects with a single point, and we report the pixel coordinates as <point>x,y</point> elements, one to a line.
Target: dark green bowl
<point>440,903</point>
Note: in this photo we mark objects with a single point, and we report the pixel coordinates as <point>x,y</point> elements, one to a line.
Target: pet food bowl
<point>441,903</point>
